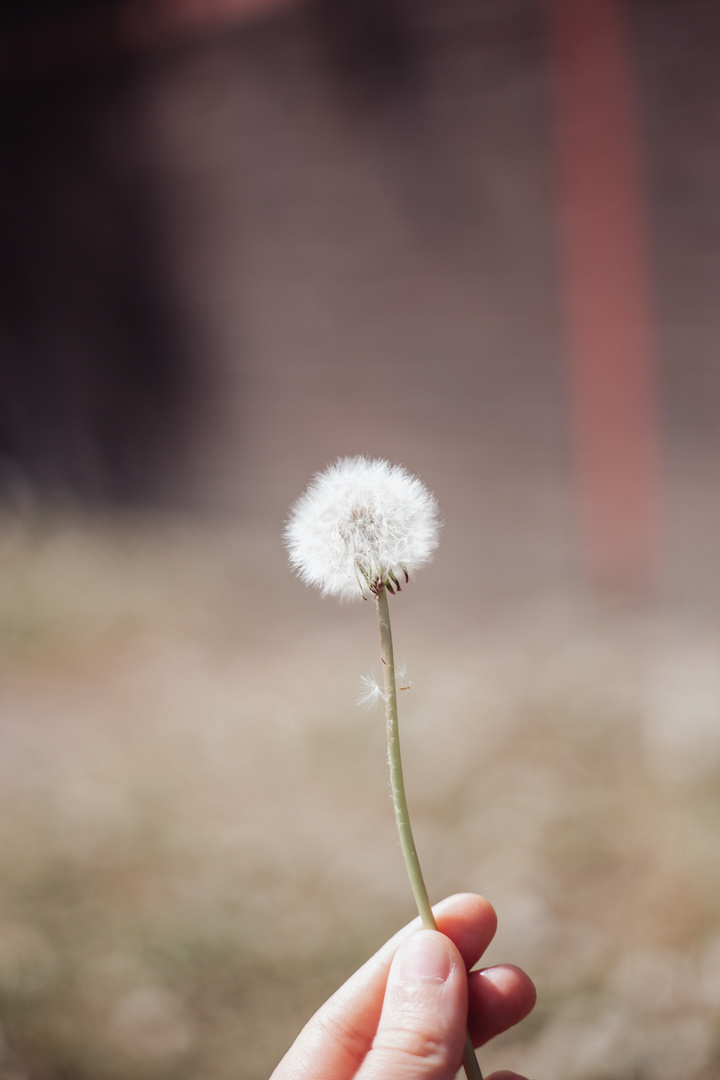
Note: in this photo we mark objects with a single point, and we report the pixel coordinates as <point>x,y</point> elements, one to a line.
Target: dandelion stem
<point>402,816</point>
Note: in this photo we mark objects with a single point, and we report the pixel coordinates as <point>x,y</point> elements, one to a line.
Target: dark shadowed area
<point>236,244</point>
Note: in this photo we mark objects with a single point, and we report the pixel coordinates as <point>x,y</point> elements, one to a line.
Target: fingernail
<point>425,955</point>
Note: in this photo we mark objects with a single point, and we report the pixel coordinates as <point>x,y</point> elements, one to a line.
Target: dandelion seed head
<point>361,525</point>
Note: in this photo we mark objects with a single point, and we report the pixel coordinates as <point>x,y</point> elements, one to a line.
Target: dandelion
<point>362,525</point>
<point>362,528</point>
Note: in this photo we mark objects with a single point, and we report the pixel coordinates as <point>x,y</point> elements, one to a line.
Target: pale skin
<point>403,1015</point>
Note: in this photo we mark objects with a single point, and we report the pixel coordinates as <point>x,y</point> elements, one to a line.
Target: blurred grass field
<point>196,837</point>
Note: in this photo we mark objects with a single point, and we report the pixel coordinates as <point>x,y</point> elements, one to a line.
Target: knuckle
<point>414,1047</point>
<point>346,1035</point>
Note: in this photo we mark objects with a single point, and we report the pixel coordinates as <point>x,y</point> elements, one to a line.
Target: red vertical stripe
<point>606,292</point>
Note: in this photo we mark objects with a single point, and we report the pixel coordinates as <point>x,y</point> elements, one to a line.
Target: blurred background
<point>239,239</point>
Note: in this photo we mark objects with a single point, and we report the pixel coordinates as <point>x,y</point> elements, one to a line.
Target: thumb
<point>422,1027</point>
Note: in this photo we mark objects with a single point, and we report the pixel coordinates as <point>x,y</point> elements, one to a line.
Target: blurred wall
<point>233,253</point>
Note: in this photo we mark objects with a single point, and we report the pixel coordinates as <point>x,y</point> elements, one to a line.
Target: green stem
<point>402,816</point>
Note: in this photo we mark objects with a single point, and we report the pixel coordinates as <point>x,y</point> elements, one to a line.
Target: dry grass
<point>196,841</point>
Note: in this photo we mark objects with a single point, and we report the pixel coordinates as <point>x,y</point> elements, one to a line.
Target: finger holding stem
<point>397,785</point>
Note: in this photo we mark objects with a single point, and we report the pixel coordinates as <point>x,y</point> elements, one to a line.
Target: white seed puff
<point>361,525</point>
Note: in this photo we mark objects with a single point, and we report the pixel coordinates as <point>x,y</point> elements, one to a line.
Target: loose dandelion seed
<point>362,528</point>
<point>369,694</point>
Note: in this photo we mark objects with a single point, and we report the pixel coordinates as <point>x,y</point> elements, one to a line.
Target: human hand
<point>404,1014</point>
